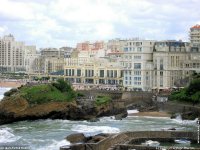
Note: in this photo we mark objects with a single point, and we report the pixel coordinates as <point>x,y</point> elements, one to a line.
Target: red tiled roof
<point>195,27</point>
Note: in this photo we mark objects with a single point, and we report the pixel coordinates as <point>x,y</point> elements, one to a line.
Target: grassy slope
<point>44,93</point>
<point>100,100</point>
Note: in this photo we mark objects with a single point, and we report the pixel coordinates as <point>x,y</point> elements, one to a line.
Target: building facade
<point>93,73</point>
<point>168,64</point>
<point>13,54</point>
<point>137,62</point>
<point>195,35</point>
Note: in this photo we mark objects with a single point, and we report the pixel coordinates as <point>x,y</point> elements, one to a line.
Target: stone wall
<point>109,142</point>
<point>115,95</point>
<point>122,141</point>
<point>132,97</point>
<point>128,96</point>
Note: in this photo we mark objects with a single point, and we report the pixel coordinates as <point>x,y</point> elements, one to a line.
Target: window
<point>137,65</point>
<point>78,72</point>
<point>137,73</point>
<point>161,64</point>
<point>139,49</point>
<point>137,57</point>
<point>126,49</point>
<point>161,81</point>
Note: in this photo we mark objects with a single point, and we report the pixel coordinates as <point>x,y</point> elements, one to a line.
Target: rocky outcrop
<point>16,108</point>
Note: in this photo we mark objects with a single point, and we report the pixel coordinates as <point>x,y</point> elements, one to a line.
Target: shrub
<point>190,94</point>
<point>62,85</point>
<point>102,100</point>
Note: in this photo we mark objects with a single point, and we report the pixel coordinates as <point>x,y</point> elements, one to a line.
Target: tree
<point>193,87</point>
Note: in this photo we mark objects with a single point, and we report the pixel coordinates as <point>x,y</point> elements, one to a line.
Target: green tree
<point>193,87</point>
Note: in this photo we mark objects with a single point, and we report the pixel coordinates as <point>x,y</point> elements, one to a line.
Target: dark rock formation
<point>120,116</point>
<point>189,115</point>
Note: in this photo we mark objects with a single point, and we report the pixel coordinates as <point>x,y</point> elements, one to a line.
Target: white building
<point>12,54</point>
<point>195,35</point>
<point>137,64</point>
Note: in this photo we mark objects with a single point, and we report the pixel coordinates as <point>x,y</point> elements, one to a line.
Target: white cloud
<point>42,22</point>
<point>3,30</point>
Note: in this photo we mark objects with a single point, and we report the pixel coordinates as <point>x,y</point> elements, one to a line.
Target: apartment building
<point>195,35</point>
<point>116,45</point>
<point>169,59</point>
<point>52,60</point>
<point>137,62</point>
<point>13,54</point>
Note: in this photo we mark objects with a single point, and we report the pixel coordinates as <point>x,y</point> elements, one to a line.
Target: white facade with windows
<point>137,64</point>
<point>13,54</point>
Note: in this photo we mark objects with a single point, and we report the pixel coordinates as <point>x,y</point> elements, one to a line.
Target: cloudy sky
<point>56,23</point>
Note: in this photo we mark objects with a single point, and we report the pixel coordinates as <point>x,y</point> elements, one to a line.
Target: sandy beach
<point>13,84</point>
<point>151,114</point>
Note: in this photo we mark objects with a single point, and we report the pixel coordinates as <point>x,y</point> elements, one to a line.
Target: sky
<point>57,23</point>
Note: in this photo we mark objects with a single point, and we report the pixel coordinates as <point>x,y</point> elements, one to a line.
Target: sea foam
<point>6,136</point>
<point>55,145</point>
<point>2,91</point>
<point>94,130</point>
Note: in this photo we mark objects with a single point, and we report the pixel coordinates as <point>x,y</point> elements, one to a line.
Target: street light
<point>198,134</point>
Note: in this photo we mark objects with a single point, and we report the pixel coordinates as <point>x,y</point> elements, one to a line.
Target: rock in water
<point>76,138</point>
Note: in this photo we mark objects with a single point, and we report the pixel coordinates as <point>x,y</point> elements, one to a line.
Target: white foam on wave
<point>55,145</point>
<point>179,120</point>
<point>108,119</point>
<point>6,136</point>
<point>2,91</point>
<point>93,130</point>
<point>132,111</point>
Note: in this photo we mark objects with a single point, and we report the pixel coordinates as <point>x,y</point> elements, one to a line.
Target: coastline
<point>151,114</point>
<point>11,84</point>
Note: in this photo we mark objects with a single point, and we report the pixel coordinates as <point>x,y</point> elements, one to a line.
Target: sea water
<point>2,91</point>
<point>50,134</point>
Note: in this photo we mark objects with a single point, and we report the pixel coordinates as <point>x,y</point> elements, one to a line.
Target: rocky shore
<point>15,107</point>
<point>128,140</point>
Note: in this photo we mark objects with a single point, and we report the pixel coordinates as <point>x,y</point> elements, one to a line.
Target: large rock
<point>76,138</point>
<point>15,108</point>
<point>121,116</point>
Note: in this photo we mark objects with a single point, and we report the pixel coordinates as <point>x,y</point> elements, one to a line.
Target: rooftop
<point>195,27</point>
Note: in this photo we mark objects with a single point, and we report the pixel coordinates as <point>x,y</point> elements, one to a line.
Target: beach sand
<point>151,114</point>
<point>13,84</point>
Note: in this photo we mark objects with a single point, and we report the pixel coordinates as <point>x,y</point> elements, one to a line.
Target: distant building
<point>13,54</point>
<point>195,35</point>
<point>67,51</point>
<point>116,45</point>
<point>52,60</point>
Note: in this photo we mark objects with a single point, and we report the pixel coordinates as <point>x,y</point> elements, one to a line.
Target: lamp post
<point>198,130</point>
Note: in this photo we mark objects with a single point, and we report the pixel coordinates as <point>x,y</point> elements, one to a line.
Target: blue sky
<point>57,23</point>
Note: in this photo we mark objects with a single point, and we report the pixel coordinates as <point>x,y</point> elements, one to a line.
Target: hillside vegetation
<point>101,100</point>
<point>59,91</point>
<point>189,94</point>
